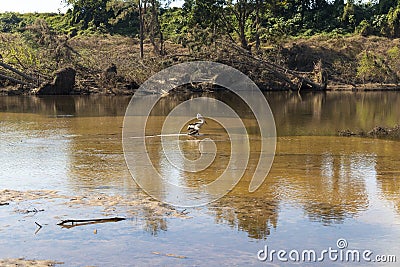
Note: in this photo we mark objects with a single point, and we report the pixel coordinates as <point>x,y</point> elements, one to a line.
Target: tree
<point>141,7</point>
<point>205,14</point>
<point>149,24</point>
<point>241,10</point>
<point>125,19</point>
<point>128,17</point>
<point>89,13</point>
<point>129,13</point>
<point>348,17</point>
<point>384,6</point>
<point>155,28</point>
<point>394,21</point>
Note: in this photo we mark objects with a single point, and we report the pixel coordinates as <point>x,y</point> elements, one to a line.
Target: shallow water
<point>321,187</point>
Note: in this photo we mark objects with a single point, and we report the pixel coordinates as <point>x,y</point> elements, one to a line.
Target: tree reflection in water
<point>256,216</point>
<point>324,175</point>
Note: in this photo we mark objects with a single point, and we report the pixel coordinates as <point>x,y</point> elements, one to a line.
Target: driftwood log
<point>16,76</point>
<point>72,222</point>
<point>13,80</point>
<point>20,73</point>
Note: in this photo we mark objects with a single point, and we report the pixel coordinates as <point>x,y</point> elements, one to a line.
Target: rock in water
<point>378,131</point>
<point>63,83</point>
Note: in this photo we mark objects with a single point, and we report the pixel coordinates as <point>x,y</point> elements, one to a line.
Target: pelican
<point>194,128</point>
<point>164,93</point>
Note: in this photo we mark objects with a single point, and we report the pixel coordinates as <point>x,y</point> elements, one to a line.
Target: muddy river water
<point>323,192</point>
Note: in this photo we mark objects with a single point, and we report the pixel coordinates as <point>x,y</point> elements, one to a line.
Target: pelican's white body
<point>195,127</point>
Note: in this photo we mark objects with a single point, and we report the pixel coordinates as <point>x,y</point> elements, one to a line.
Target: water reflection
<point>326,175</point>
<point>65,105</point>
<point>323,176</point>
<point>326,113</point>
<point>256,215</point>
<point>388,173</point>
<point>343,184</point>
<point>153,223</point>
<point>305,114</point>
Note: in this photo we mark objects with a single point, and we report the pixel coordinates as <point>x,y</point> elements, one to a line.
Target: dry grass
<point>91,55</point>
<point>98,52</point>
<point>339,55</point>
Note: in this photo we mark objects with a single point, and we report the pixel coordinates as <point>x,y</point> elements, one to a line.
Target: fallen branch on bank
<point>20,73</point>
<point>294,79</point>
<point>4,204</point>
<point>20,77</point>
<point>11,79</point>
<point>72,223</point>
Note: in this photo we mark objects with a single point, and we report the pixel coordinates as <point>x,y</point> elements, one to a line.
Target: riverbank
<point>110,64</point>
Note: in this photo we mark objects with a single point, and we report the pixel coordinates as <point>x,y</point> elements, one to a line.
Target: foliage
<point>9,22</point>
<point>198,24</point>
<point>16,51</point>
<point>393,18</point>
<point>393,56</point>
<point>125,18</point>
<point>245,21</point>
<point>90,15</point>
<point>371,67</point>
<point>174,24</point>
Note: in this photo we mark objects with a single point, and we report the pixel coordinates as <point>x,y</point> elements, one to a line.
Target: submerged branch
<point>39,227</point>
<point>72,223</point>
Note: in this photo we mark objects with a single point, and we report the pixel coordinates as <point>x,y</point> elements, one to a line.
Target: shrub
<point>371,68</point>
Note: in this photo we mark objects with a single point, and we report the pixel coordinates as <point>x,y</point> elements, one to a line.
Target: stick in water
<point>72,222</point>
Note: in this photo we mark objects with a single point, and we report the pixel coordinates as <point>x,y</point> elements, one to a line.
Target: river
<point>321,187</point>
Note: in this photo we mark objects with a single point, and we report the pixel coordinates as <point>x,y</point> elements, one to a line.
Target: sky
<point>31,6</point>
<point>25,6</point>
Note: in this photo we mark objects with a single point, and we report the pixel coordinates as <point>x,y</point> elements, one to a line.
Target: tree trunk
<point>156,30</point>
<point>242,15</point>
<point>141,29</point>
<point>257,24</point>
<point>243,40</point>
